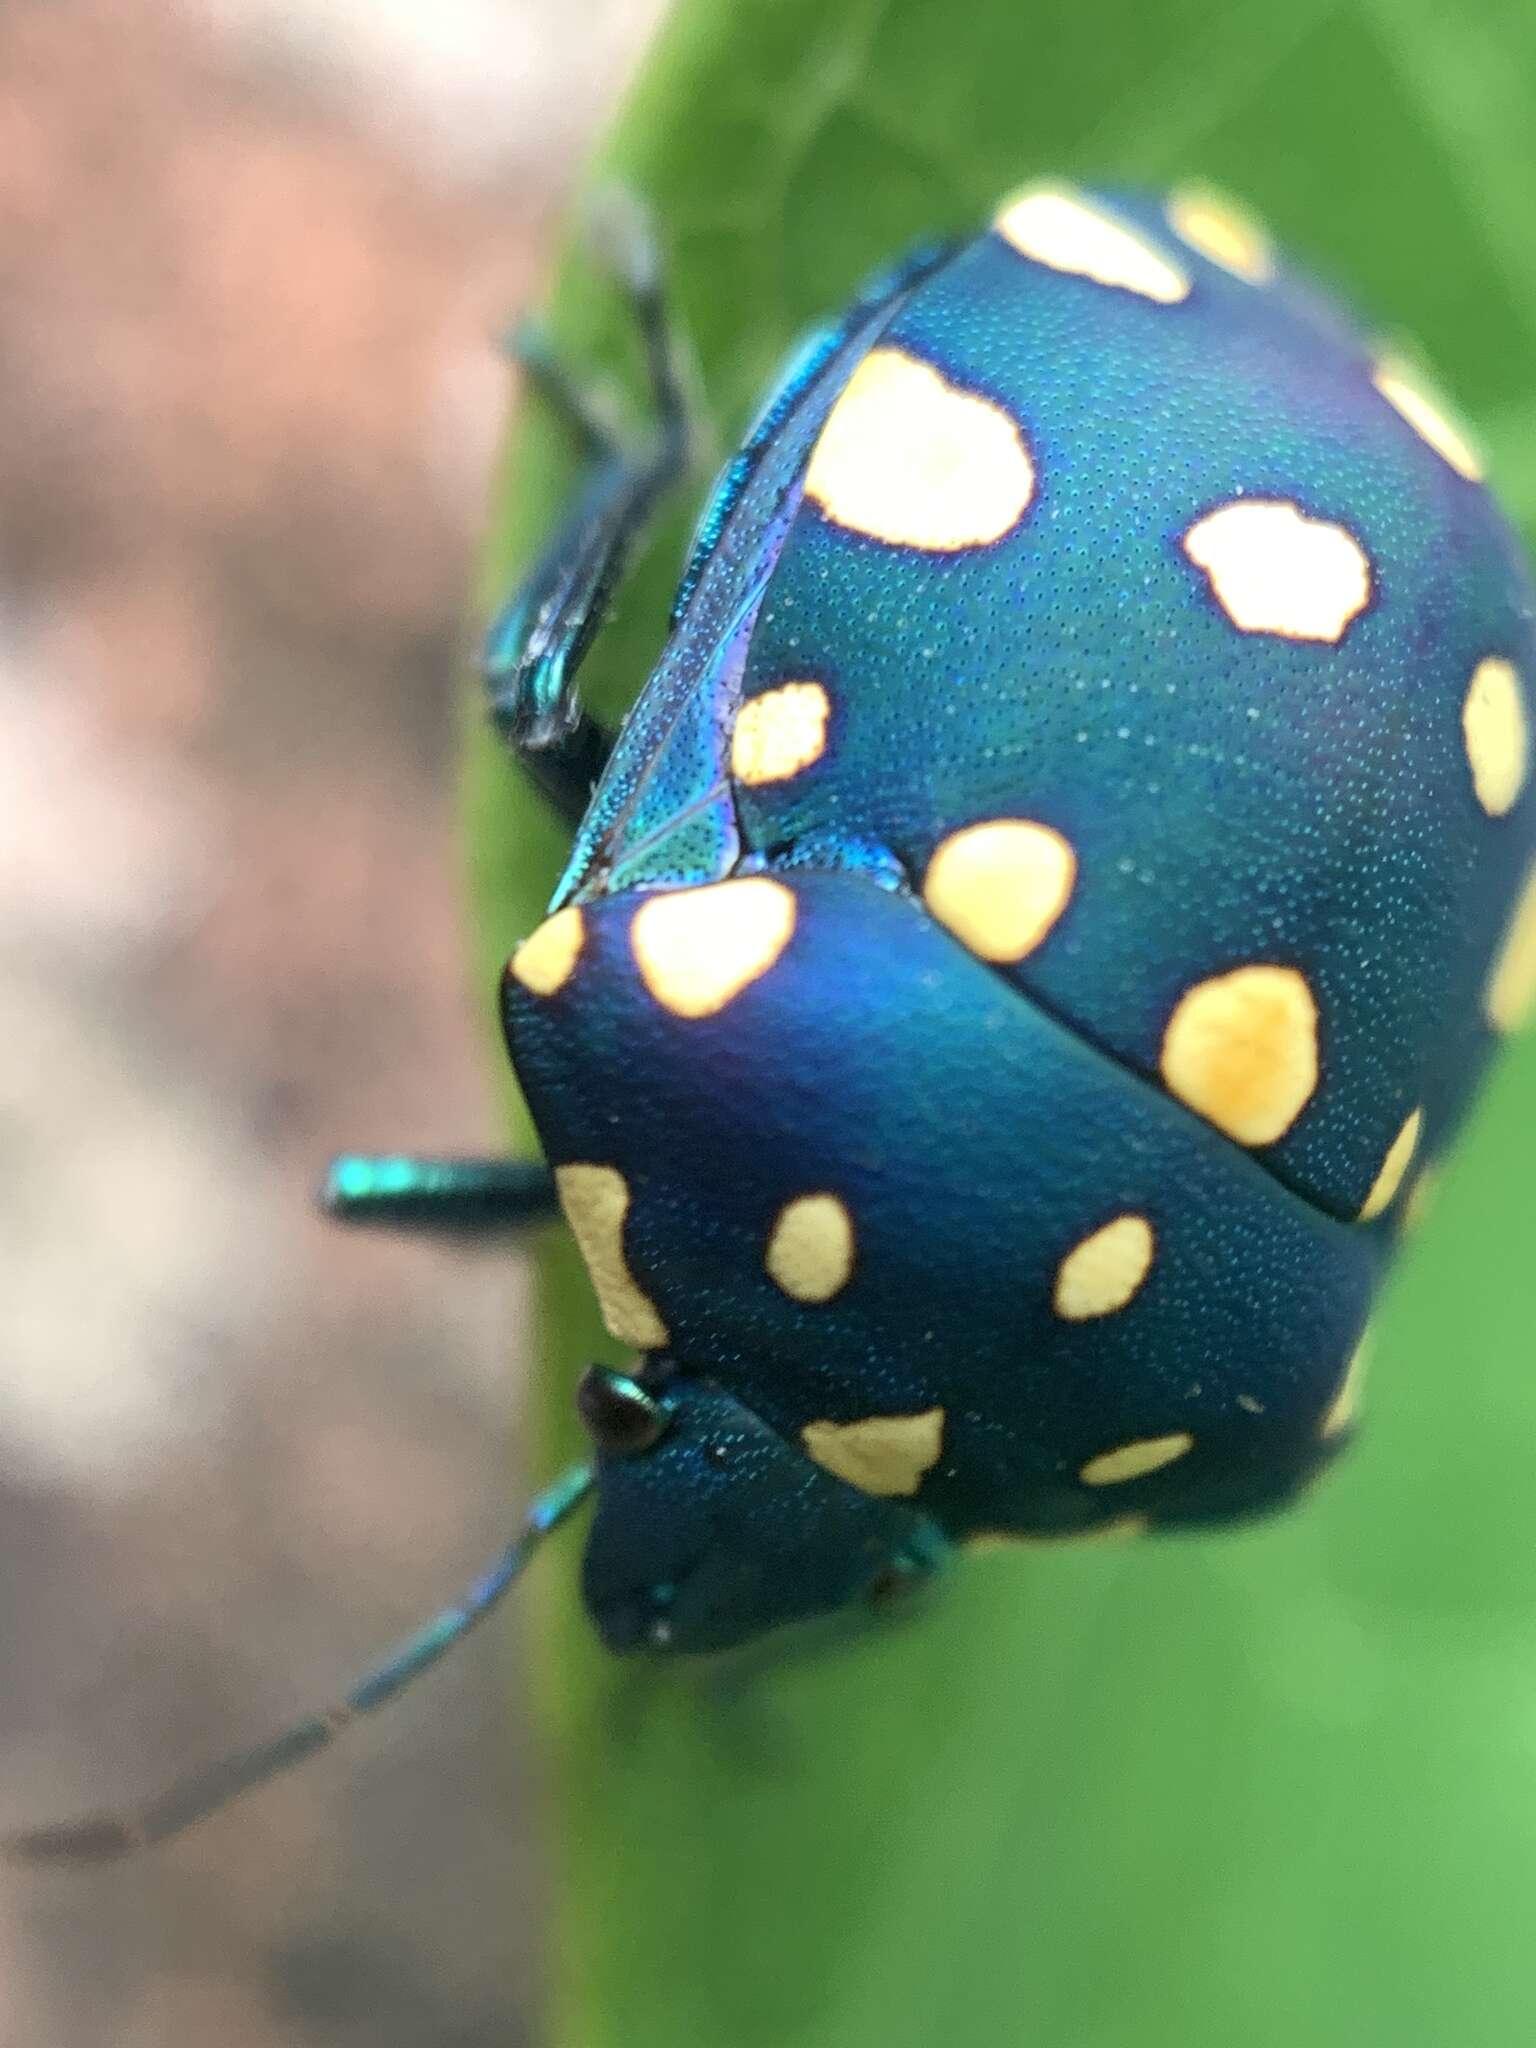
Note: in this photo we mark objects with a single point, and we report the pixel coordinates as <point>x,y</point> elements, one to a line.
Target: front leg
<point>538,641</point>
<point>459,1197</point>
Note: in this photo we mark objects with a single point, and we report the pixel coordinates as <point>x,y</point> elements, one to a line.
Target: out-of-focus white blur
<point>252,253</point>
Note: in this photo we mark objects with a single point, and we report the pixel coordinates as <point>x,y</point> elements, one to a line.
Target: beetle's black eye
<point>617,1413</point>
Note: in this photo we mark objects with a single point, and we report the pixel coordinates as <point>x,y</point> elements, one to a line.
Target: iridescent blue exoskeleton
<point>1047,910</point>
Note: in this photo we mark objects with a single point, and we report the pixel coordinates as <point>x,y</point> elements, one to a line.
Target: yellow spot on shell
<point>779,733</point>
<point>1273,569</point>
<point>1057,227</point>
<point>1242,1050</point>
<point>810,1250</point>
<point>1000,886</point>
<point>885,1454</point>
<point>1429,415</point>
<point>1511,992</point>
<point>1397,1162</point>
<point>1221,230</point>
<point>908,458</point>
<point>697,948</point>
<point>992,1542</point>
<point>596,1201</point>
<point>1493,723</point>
<point>1345,1405</point>
<point>1106,1270</point>
<point>543,962</point>
<point>1135,1461</point>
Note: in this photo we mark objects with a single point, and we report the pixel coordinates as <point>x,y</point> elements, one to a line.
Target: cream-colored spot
<point>1105,1271</point>
<point>1397,1162</point>
<point>908,458</point>
<point>810,1249</point>
<point>1345,1405</point>
<point>1221,230</point>
<point>885,1454</point>
<point>697,948</point>
<point>1056,227</point>
<point>779,733</point>
<point>596,1201</point>
<point>1242,1050</point>
<point>1272,569</point>
<point>1000,886</point>
<point>1511,992</point>
<point>1428,414</point>
<point>994,1542</point>
<point>1135,1461</point>
<point>1493,723</point>
<point>543,962</point>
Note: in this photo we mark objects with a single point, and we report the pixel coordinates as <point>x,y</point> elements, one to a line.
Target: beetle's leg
<point>465,1196</point>
<point>99,1836</point>
<point>538,640</point>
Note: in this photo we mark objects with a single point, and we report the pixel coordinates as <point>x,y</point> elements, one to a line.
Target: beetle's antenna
<point>105,1835</point>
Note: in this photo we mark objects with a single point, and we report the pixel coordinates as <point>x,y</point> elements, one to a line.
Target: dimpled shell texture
<point>1231,796</point>
<point>975,1143</point>
<point>1208,629</point>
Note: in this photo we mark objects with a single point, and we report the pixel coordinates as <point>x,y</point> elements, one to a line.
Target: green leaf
<point>1267,1788</point>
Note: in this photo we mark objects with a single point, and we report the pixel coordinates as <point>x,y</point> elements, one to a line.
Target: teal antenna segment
<point>104,1835</point>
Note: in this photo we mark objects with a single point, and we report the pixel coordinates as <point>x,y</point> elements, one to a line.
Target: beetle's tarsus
<point>589,410</point>
<point>538,640</point>
<point>97,1838</point>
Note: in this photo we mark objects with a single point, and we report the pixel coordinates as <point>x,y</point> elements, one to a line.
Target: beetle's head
<point>711,1529</point>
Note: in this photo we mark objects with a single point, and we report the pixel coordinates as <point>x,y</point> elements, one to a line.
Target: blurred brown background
<point>252,256</point>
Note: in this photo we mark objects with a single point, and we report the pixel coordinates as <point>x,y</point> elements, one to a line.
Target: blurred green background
<point>1272,1788</point>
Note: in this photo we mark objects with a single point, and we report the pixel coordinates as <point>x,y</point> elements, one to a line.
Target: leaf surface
<point>1267,1788</point>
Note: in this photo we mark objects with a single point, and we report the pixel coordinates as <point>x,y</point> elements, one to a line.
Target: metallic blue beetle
<point>1054,896</point>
